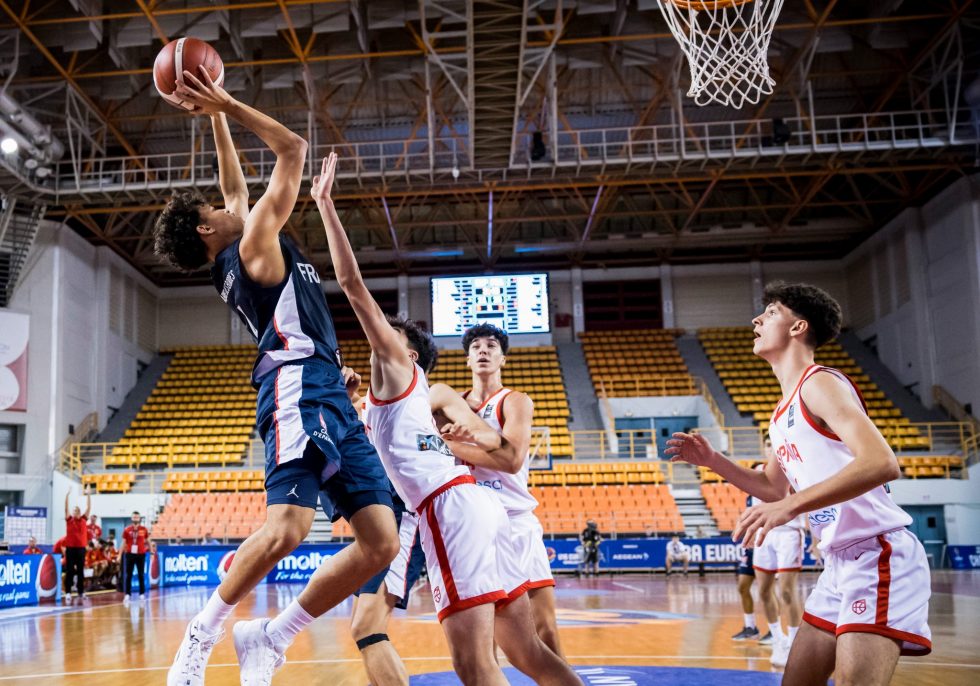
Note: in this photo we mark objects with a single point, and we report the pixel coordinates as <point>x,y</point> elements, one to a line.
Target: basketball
<point>180,55</point>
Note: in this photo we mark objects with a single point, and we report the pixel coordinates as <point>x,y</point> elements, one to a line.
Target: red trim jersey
<point>414,455</point>
<point>135,539</point>
<point>77,532</point>
<point>809,454</point>
<point>94,531</point>
<point>511,489</point>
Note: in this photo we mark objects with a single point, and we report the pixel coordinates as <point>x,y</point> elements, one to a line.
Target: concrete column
<point>758,285</point>
<point>667,295</point>
<point>578,302</point>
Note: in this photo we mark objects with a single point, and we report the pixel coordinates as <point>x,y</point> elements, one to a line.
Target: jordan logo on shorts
<point>293,492</point>
<point>858,607</point>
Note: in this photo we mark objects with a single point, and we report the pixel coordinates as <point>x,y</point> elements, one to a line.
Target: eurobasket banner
<point>14,328</point>
<point>207,565</point>
<point>647,553</point>
<point>29,579</point>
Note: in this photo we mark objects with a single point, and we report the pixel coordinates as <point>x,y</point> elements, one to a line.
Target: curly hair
<point>175,234</point>
<point>486,331</point>
<point>419,340</point>
<point>810,303</point>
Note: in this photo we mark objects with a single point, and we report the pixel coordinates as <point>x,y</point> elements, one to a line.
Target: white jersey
<point>511,489</point>
<point>415,457</point>
<point>809,454</point>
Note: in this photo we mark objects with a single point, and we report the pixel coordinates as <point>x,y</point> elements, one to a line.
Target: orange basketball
<point>184,54</point>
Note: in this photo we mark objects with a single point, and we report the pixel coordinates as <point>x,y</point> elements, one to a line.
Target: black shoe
<point>746,634</point>
<point>766,640</point>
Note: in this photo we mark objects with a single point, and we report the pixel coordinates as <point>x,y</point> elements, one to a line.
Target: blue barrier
<point>29,579</point>
<point>964,556</point>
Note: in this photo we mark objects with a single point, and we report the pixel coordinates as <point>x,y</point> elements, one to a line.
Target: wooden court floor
<point>627,621</point>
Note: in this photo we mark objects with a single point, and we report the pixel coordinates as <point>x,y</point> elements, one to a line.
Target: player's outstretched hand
<point>691,448</point>
<point>757,521</point>
<point>206,96</point>
<point>323,183</point>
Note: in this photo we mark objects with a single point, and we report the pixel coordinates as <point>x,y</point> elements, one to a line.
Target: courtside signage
<point>29,579</point>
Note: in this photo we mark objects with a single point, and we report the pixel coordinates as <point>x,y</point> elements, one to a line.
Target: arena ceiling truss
<point>500,135</point>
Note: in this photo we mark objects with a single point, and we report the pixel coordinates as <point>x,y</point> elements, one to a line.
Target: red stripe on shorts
<point>447,572</point>
<point>884,581</point>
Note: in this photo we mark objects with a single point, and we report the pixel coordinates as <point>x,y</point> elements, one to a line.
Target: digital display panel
<point>517,303</point>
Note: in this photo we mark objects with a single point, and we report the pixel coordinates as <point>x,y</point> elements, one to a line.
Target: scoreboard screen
<point>517,303</point>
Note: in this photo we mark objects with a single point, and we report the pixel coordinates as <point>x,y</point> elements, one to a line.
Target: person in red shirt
<point>32,548</point>
<point>136,538</point>
<point>112,558</point>
<point>94,530</point>
<point>96,561</point>
<point>76,524</point>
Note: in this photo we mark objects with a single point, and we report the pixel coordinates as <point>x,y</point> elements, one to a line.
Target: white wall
<point>673,406</point>
<point>918,280</point>
<point>83,348</point>
<point>960,498</point>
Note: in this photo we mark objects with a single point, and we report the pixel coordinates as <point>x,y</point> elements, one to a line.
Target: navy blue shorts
<point>745,563</point>
<point>315,446</point>
<point>407,566</point>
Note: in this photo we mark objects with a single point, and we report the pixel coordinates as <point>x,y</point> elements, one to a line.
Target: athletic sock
<point>291,621</point>
<point>214,614</point>
<point>792,633</point>
<point>750,621</point>
<point>776,630</point>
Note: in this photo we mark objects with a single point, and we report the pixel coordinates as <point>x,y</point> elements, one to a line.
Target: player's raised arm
<point>231,180</point>
<point>767,485</point>
<point>259,248</point>
<point>470,438</point>
<point>381,335</point>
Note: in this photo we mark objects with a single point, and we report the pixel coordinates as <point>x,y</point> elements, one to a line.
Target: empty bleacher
<point>725,502</point>
<point>202,412</point>
<point>109,483</point>
<point>224,515</point>
<point>755,391</point>
<point>636,363</point>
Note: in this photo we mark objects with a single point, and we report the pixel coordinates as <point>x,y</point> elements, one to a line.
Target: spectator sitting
<point>96,561</point>
<point>94,530</point>
<point>210,540</point>
<point>112,560</point>
<point>32,548</point>
<point>677,552</point>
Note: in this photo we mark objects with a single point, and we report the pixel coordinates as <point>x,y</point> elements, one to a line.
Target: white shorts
<point>781,551</point>
<point>396,580</point>
<point>528,535</point>
<point>880,586</point>
<point>461,525</point>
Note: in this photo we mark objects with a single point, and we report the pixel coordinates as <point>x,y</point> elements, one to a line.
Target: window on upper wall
<point>11,448</point>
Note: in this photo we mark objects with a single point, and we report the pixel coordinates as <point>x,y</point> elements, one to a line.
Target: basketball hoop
<point>726,43</point>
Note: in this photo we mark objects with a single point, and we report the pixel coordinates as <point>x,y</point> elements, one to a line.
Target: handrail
<point>953,407</point>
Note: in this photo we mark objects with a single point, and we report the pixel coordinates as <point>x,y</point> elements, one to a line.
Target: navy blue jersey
<point>290,321</point>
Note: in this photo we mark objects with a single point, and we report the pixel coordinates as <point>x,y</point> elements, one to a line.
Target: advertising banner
<point>29,579</point>
<point>964,556</point>
<point>645,553</point>
<point>203,565</point>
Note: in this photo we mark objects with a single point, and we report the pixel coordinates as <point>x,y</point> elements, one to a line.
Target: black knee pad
<point>371,640</point>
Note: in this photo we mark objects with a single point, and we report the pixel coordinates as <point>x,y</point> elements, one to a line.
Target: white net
<point>726,44</point>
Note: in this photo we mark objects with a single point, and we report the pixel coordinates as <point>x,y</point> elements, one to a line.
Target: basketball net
<point>726,43</point>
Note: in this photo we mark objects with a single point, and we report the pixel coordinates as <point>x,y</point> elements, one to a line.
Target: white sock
<point>792,633</point>
<point>214,614</point>
<point>291,621</point>
<point>749,621</point>
<point>776,630</point>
